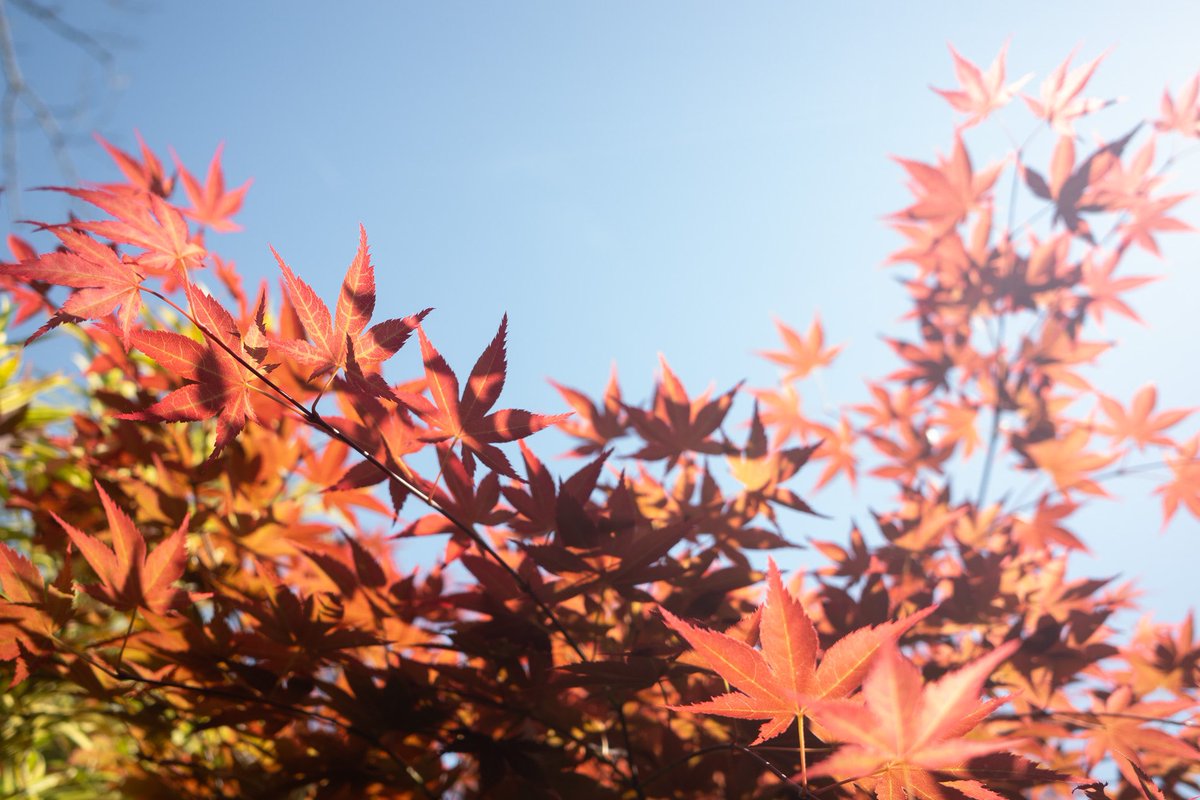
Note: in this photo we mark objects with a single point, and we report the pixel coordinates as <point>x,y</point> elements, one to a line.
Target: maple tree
<point>197,577</point>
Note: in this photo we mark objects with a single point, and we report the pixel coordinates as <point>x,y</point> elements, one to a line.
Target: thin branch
<point>1119,472</point>
<point>994,435</point>
<point>68,32</point>
<point>799,790</point>
<point>18,89</point>
<point>121,674</point>
<point>315,419</point>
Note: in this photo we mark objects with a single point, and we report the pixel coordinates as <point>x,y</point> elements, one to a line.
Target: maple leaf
<point>981,93</point>
<point>29,295</point>
<point>541,506</point>
<point>1184,487</point>
<point>103,281</point>
<point>219,386</point>
<point>466,419</point>
<point>1164,656</point>
<point>1045,527</point>
<point>762,471</point>
<point>155,226</point>
<point>894,408</point>
<point>1072,188</point>
<point>780,682</point>
<point>343,340</point>
<point>928,364</point>
<point>677,424</point>
<point>130,577</point>
<point>286,632</point>
<point>1144,783</point>
<point>947,193</point>
<point>1060,104</point>
<point>1056,350</point>
<point>1150,216</point>
<point>1122,185</point>
<point>31,612</point>
<point>470,503</point>
<point>1121,729</point>
<point>803,355</point>
<point>211,204</point>
<point>596,426</point>
<point>1065,460</point>
<point>1140,425</point>
<point>837,448</point>
<point>146,175</point>
<point>390,433</point>
<point>1183,113</point>
<point>903,730</point>
<point>957,425</point>
<point>1102,291</point>
<point>783,414</point>
<point>325,468</point>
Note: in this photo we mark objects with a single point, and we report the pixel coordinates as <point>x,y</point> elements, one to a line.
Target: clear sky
<point>625,178</point>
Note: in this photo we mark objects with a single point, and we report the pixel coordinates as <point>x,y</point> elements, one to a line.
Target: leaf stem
<point>125,639</point>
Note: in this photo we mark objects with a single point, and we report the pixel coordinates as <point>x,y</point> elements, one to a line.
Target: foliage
<point>200,598</point>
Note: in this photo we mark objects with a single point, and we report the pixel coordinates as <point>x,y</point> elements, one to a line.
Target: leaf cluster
<point>201,562</point>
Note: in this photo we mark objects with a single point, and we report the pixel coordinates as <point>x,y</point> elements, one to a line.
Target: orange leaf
<point>129,577</point>
<point>780,682</point>
<point>902,729</point>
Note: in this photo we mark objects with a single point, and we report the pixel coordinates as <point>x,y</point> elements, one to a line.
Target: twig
<point>121,674</point>
<point>314,418</point>
<point>800,791</point>
<point>18,89</point>
<point>994,436</point>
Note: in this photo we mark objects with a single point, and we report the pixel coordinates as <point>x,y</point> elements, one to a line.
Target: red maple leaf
<point>211,204</point>
<point>466,419</point>
<point>1045,527</point>
<point>803,355</point>
<point>782,680</point>
<point>219,386</point>
<point>29,296</point>
<point>956,425</point>
<point>981,93</point>
<point>1181,114</point>
<point>129,576</point>
<point>389,433</point>
<point>470,502</point>
<point>676,423</point>
<point>1150,216</point>
<point>155,226</point>
<point>1065,460</point>
<point>1060,103</point>
<point>1140,424</point>
<point>541,505</point>
<point>103,281</point>
<point>146,175</point>
<point>1103,291</point>
<point>1184,486</point>
<point>1073,188</point>
<point>947,192</point>
<point>597,426</point>
<point>837,449</point>
<point>903,730</point>
<point>344,340</point>
<point>783,414</point>
<point>1122,731</point>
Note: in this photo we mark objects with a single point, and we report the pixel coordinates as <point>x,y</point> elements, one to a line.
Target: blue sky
<point>625,179</point>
